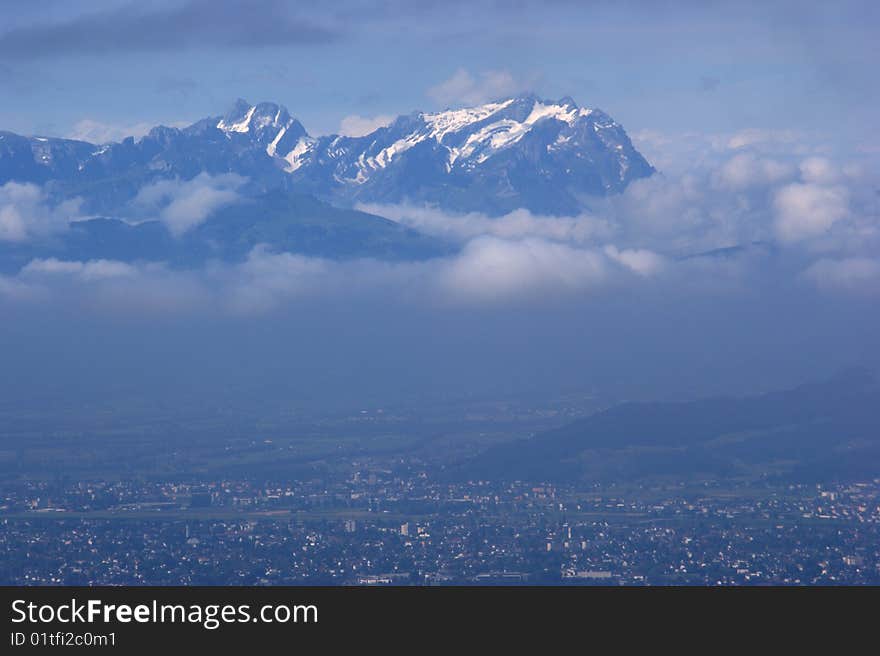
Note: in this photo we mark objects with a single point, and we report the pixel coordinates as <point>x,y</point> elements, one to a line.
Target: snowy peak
<point>513,114</point>
<point>452,121</point>
<point>268,124</point>
<point>238,118</point>
<point>475,134</point>
<point>547,156</point>
<point>514,152</point>
<point>244,117</point>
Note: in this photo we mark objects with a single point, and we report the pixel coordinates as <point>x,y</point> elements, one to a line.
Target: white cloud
<point>184,204</point>
<point>745,170</point>
<point>679,215</point>
<point>805,210</point>
<point>751,137</point>
<point>266,279</point>
<point>358,126</point>
<point>676,153</point>
<point>819,170</point>
<point>638,260</point>
<point>25,212</point>
<point>514,225</point>
<point>491,270</point>
<point>114,286</point>
<point>464,88</point>
<point>488,271</point>
<point>89,271</point>
<point>14,219</point>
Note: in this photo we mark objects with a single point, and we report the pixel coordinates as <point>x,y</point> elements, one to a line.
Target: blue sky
<point>662,65</point>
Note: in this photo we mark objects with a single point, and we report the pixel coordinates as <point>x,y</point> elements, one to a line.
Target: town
<point>378,527</point>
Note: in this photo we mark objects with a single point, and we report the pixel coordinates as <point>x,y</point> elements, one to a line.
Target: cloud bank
<point>743,214</point>
<point>25,213</point>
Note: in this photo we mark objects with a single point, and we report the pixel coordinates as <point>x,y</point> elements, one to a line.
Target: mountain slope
<point>282,221</point>
<point>833,423</point>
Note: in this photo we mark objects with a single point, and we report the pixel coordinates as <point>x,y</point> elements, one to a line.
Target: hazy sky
<point>760,117</point>
<point>113,66</point>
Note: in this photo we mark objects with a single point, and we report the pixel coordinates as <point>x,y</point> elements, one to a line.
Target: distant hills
<point>822,430</point>
<point>283,221</point>
<point>297,190</point>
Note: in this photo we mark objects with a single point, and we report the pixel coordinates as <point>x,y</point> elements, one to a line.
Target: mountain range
<point>520,152</point>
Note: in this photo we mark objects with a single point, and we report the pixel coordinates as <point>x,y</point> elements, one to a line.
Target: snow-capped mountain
<point>267,125</point>
<point>519,152</point>
<point>294,192</point>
